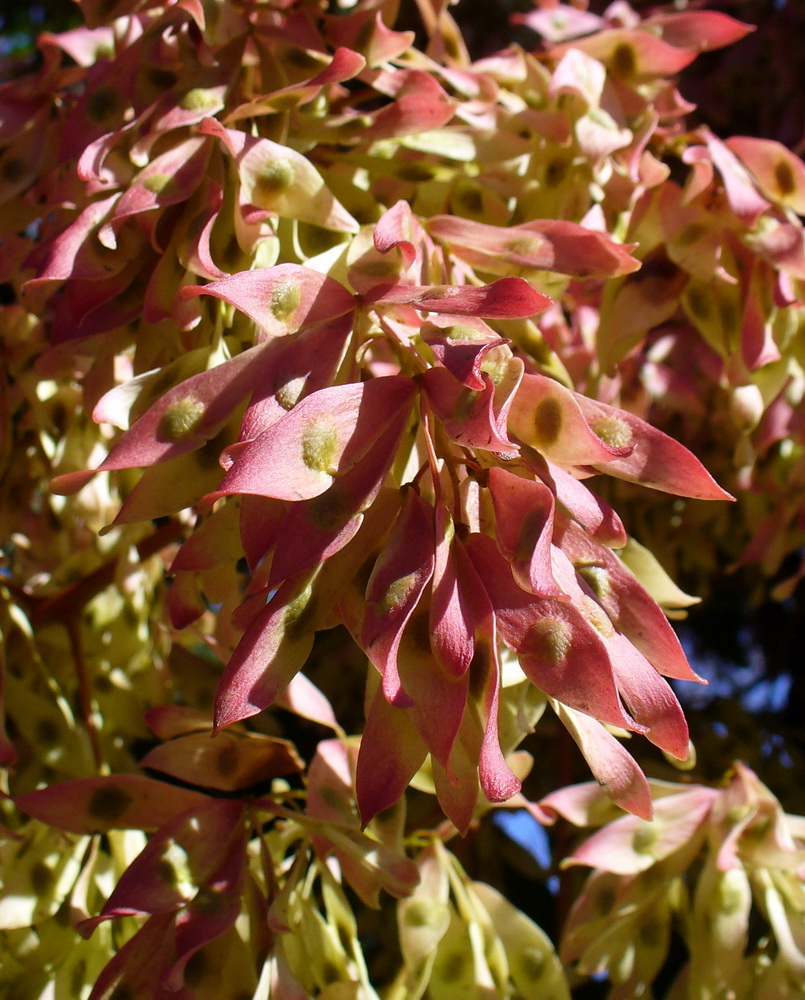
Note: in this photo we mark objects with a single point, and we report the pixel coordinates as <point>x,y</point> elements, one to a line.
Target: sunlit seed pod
<point>320,441</point>
<point>284,299</point>
<point>550,640</point>
<point>180,419</point>
<point>613,431</point>
<point>746,407</point>
<point>274,178</point>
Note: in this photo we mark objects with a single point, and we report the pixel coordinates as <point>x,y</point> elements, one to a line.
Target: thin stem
<point>73,628</point>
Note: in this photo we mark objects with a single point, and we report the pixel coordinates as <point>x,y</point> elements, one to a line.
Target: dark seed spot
<point>604,901</point>
<point>166,872</point>
<point>555,172</point>
<point>227,760</point>
<point>14,170</point>
<point>330,972</point>
<point>624,62</point>
<point>104,103</point>
<point>207,901</point>
<point>469,198</point>
<point>452,966</point>
<point>123,992</point>
<point>330,508</point>
<point>415,172</point>
<point>161,78</point>
<point>548,421</point>
<point>532,964</point>
<point>699,303</point>
<point>195,969</point>
<point>784,176</point>
<point>690,234</point>
<point>656,268</point>
<point>102,684</point>
<point>417,633</point>
<point>651,933</point>
<point>41,878</point>
<point>104,9</point>
<point>108,803</point>
<point>47,732</point>
<point>728,315</point>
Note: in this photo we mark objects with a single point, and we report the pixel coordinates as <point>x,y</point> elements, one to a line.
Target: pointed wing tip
<point>71,482</point>
<point>228,713</point>
<point>712,492</point>
<point>639,806</point>
<point>370,803</point>
<point>627,266</point>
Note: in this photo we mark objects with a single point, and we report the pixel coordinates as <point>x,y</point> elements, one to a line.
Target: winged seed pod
<point>459,936</point>
<point>723,863</point>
